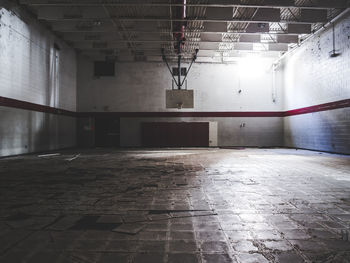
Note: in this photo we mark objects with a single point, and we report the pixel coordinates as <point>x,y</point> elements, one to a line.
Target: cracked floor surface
<point>169,205</point>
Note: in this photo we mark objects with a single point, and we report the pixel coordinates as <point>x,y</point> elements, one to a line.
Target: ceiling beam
<point>74,30</point>
<point>164,19</point>
<point>109,41</point>
<point>153,53</point>
<point>280,47</point>
<point>316,4</point>
<point>144,41</point>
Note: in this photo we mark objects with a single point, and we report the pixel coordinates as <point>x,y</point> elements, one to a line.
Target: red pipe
<point>183,18</point>
<point>180,26</point>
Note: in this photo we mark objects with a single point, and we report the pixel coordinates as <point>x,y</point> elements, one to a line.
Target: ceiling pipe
<point>180,25</point>
<point>180,37</point>
<point>183,18</point>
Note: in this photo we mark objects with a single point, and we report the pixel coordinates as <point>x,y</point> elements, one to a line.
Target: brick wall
<point>27,64</point>
<point>141,86</point>
<point>30,71</point>
<point>312,77</point>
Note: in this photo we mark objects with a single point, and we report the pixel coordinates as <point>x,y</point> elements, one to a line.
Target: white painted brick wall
<point>25,49</point>
<point>326,131</point>
<point>23,131</point>
<point>25,73</point>
<point>311,77</point>
<point>141,87</point>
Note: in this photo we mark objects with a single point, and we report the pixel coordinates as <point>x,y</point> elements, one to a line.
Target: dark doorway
<point>107,132</point>
<point>175,134</point>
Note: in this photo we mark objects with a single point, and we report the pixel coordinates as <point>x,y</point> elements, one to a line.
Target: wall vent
<point>104,68</point>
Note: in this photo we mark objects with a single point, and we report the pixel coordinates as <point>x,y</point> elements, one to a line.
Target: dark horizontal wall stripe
<point>7,102</point>
<point>321,107</point>
<point>183,114</point>
<point>19,104</point>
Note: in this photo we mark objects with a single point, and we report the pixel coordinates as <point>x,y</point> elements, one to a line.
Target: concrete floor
<point>193,205</point>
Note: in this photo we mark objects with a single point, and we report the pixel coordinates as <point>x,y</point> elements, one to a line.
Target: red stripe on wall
<point>7,102</point>
<point>183,114</point>
<point>321,107</point>
<point>19,104</point>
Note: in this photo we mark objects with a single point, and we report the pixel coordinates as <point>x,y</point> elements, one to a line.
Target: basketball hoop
<point>179,99</point>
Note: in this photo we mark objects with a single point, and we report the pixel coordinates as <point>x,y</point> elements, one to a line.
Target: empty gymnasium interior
<point>178,131</point>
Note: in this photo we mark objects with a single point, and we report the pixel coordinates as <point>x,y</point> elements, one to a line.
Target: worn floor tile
<point>176,205</point>
<point>217,258</point>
